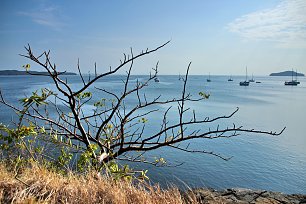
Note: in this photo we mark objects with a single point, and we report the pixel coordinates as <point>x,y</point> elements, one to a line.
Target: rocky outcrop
<point>241,196</point>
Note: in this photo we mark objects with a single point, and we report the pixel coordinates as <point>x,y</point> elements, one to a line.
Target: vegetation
<point>39,185</point>
<point>55,132</point>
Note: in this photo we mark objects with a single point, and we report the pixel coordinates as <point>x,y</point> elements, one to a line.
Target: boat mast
<point>96,74</point>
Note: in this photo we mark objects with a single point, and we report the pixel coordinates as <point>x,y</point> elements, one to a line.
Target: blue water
<point>258,161</point>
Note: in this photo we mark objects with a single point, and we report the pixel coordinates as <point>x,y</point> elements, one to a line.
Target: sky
<point>219,37</point>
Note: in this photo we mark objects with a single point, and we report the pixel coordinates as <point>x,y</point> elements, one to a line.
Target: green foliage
<point>125,173</point>
<point>37,99</point>
<point>143,175</point>
<point>100,103</point>
<point>18,145</point>
<point>120,173</point>
<point>85,162</point>
<point>15,142</point>
<point>27,67</point>
<point>84,95</point>
<point>160,161</point>
<point>108,127</point>
<point>204,95</point>
<point>65,157</point>
<point>10,137</point>
<point>143,120</point>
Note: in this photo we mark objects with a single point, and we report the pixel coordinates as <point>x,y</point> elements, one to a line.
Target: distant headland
<point>287,73</point>
<point>16,72</point>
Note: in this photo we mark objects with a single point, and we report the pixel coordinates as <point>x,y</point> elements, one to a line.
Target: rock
<point>241,196</point>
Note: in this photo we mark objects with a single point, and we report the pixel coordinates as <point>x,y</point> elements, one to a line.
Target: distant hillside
<point>16,72</point>
<point>287,73</point>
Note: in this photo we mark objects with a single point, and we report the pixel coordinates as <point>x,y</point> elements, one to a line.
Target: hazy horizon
<point>167,74</point>
<point>219,37</point>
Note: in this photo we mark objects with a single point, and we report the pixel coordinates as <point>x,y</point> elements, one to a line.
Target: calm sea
<point>258,161</point>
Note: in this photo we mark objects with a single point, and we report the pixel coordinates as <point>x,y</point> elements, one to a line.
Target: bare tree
<point>113,131</point>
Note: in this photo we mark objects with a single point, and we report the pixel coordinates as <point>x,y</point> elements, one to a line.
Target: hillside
<point>287,73</point>
<point>16,72</point>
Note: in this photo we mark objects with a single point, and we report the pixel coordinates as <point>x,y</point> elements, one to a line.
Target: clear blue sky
<point>218,36</point>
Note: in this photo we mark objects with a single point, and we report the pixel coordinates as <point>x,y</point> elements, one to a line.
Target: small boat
<point>246,82</point>
<point>297,81</point>
<point>179,78</point>
<point>252,80</point>
<point>292,82</point>
<point>296,78</point>
<point>208,80</point>
<point>230,79</point>
<point>258,82</point>
<point>156,79</point>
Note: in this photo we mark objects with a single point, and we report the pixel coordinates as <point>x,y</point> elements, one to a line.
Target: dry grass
<point>38,185</point>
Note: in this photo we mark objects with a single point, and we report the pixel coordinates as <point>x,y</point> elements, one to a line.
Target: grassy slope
<point>35,185</point>
<point>39,185</point>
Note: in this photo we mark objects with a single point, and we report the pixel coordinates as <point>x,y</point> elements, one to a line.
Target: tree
<point>112,131</point>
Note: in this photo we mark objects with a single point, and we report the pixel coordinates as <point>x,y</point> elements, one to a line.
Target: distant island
<point>16,72</point>
<point>287,73</point>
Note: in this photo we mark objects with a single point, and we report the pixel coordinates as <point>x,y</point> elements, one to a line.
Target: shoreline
<point>241,195</point>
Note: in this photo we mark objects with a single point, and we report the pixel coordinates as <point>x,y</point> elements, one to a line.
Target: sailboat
<point>208,80</point>
<point>246,82</point>
<point>292,82</point>
<point>230,79</point>
<point>252,80</point>
<point>296,77</point>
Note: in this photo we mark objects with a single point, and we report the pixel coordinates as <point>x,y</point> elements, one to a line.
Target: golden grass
<point>38,185</point>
